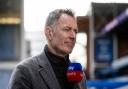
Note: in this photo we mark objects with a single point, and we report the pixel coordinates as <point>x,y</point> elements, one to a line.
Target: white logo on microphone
<point>71,68</point>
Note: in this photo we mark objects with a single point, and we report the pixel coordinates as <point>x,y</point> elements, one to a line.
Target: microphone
<point>75,73</point>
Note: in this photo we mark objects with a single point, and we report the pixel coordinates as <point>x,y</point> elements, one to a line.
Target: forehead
<point>67,20</point>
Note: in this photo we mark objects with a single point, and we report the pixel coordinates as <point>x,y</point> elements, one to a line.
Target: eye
<point>76,31</point>
<point>66,29</point>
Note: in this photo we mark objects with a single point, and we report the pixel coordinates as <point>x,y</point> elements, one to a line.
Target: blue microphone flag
<point>75,67</point>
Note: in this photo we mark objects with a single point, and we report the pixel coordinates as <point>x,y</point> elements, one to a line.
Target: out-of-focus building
<point>11,30</point>
<point>12,42</point>
<point>107,36</point>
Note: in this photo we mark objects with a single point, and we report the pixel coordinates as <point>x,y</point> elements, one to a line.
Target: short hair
<point>55,15</point>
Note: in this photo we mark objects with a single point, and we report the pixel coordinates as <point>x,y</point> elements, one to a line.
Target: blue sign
<point>104,49</point>
<point>7,42</point>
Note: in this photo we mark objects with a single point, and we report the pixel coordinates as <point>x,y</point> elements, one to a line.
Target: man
<point>48,70</point>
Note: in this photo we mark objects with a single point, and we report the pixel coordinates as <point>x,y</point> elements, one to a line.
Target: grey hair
<point>55,15</point>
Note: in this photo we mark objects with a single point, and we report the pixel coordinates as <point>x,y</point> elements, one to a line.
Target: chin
<point>69,51</point>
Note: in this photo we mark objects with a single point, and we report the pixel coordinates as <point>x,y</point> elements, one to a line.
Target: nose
<point>73,34</point>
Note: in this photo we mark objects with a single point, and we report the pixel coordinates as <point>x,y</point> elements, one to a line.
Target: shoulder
<point>27,62</point>
<point>32,62</point>
<point>25,67</point>
<point>22,74</point>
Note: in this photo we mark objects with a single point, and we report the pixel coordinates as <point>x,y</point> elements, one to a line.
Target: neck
<point>55,52</point>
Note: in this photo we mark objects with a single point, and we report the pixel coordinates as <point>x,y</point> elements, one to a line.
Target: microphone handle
<point>83,82</point>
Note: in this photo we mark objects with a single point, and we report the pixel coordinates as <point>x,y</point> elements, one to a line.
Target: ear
<point>48,32</point>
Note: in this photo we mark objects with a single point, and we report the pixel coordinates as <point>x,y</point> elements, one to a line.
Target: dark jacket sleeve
<point>20,78</point>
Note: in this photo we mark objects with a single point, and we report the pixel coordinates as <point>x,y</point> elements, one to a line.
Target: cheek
<point>61,42</point>
<point>58,41</point>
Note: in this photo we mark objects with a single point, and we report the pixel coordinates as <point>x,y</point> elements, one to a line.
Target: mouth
<point>70,44</point>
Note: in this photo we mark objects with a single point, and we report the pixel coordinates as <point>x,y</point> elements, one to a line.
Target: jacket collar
<point>47,72</point>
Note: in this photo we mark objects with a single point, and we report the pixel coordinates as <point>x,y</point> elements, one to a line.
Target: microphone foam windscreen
<point>74,72</point>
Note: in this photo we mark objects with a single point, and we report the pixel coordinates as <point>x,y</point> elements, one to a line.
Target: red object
<point>74,76</point>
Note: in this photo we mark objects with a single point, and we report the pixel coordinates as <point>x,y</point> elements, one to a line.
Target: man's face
<point>63,36</point>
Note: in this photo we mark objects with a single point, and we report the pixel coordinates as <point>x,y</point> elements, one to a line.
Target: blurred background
<point>102,41</point>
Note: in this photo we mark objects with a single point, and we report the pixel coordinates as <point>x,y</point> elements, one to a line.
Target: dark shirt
<point>60,65</point>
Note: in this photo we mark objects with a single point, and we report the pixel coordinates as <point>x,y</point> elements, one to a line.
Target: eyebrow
<point>71,28</point>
